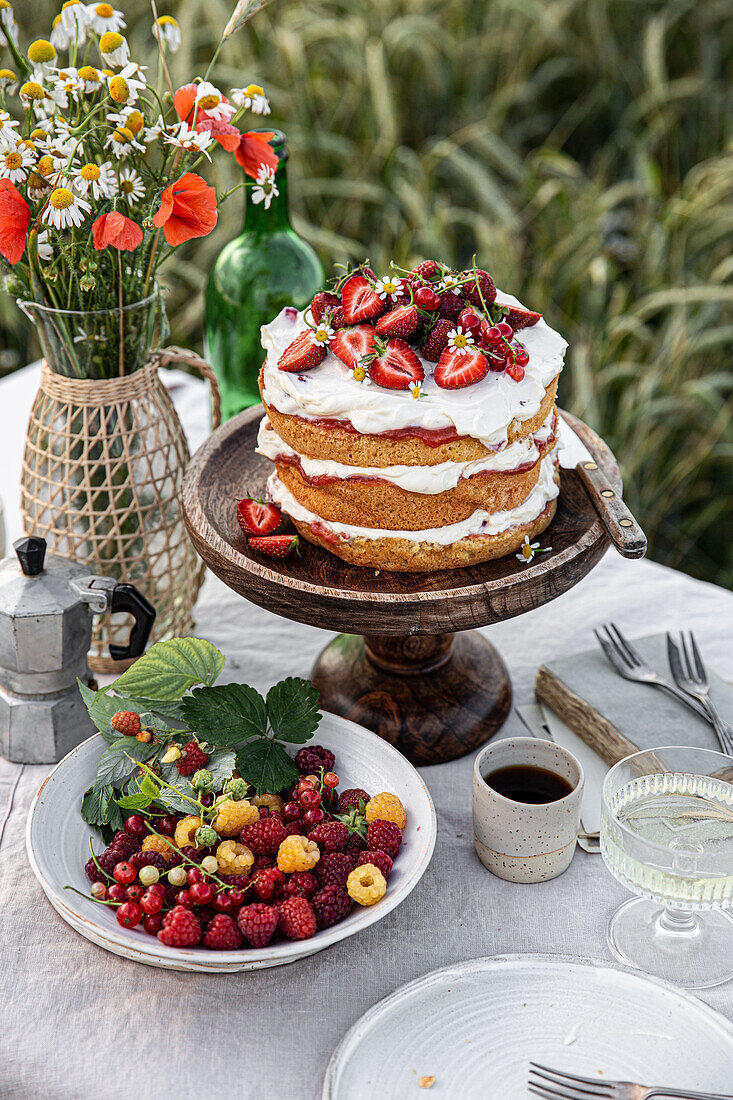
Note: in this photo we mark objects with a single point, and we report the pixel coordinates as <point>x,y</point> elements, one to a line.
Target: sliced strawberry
<point>352,344</point>
<point>436,340</point>
<point>302,354</point>
<point>360,300</point>
<point>455,371</point>
<point>258,517</point>
<point>395,366</point>
<point>275,546</point>
<point>400,322</point>
<point>522,318</point>
<point>324,302</point>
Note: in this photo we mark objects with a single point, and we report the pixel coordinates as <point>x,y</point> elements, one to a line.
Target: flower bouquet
<point>100,161</point>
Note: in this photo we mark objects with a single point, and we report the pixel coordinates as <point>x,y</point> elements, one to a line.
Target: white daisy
<point>65,209</point>
<point>60,36</point>
<point>528,550</point>
<point>167,31</point>
<point>121,142</point>
<point>266,189</point>
<point>8,20</point>
<point>16,163</point>
<point>389,287</point>
<point>88,178</point>
<point>45,249</point>
<point>103,17</point>
<point>8,125</point>
<point>460,340</point>
<point>125,86</point>
<point>70,80</point>
<point>114,49</point>
<point>132,187</point>
<point>90,79</point>
<point>211,100</point>
<point>361,375</point>
<point>32,94</point>
<point>42,56</point>
<point>322,333</point>
<point>450,284</point>
<point>154,132</point>
<point>190,140</point>
<point>108,179</point>
<point>416,391</point>
<point>252,97</point>
<point>8,81</point>
<point>75,22</point>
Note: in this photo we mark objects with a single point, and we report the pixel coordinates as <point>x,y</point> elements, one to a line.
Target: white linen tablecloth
<point>76,1022</point>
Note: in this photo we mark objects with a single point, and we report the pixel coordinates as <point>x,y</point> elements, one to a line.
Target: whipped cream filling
<point>428,480</point>
<point>483,411</point>
<point>480,523</point>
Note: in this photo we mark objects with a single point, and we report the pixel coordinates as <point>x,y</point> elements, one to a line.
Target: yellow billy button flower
<point>41,52</point>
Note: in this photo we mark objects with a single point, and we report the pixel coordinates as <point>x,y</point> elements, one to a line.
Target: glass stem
<point>678,921</point>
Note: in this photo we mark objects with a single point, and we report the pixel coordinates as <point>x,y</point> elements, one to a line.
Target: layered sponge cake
<point>409,425</point>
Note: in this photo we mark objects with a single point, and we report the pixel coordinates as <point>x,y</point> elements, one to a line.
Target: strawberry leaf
<point>266,765</point>
<point>292,706</point>
<point>98,808</point>
<point>227,714</point>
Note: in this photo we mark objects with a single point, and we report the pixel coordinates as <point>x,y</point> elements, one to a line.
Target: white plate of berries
<point>210,828</point>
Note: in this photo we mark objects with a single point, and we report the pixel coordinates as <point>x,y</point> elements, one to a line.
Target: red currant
<point>426,298</point>
<point>124,872</point>
<point>194,874</point>
<point>506,330</point>
<point>157,888</point>
<point>291,811</point>
<point>166,825</point>
<point>305,784</point>
<point>493,335</point>
<point>521,356</point>
<point>331,780</point>
<point>151,903</point>
<point>129,914</point>
<point>309,800</point>
<point>470,319</point>
<point>496,361</point>
<point>237,897</point>
<point>136,825</point>
<point>201,893</point>
<point>223,903</point>
<point>134,893</point>
<point>116,892</point>
<point>153,923</point>
<point>183,897</point>
<point>515,370</point>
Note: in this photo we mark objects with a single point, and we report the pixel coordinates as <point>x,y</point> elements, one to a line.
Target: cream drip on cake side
<point>482,411</point>
<point>428,480</point>
<point>480,523</point>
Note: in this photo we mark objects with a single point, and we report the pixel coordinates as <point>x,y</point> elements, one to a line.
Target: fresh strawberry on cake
<point>410,418</point>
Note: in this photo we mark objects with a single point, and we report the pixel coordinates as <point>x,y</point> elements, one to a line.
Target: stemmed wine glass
<point>667,834</point>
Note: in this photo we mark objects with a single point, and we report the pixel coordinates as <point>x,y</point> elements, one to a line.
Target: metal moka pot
<point>45,633</point>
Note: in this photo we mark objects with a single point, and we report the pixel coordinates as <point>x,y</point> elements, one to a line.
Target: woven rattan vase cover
<point>101,482</point>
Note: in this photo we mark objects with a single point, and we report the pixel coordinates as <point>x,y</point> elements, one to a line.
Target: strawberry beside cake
<point>411,419</point>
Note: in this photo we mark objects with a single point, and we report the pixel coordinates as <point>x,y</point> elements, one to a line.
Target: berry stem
<point>96,864</point>
<point>90,897</point>
<point>192,862</point>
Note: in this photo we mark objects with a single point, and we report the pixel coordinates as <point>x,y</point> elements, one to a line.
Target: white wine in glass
<point>667,834</point>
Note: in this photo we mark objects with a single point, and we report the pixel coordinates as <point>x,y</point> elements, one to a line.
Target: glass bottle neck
<point>260,221</point>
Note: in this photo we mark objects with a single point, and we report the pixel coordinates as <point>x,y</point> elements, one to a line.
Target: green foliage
<point>227,714</point>
<point>292,705</point>
<point>121,760</point>
<point>266,765</point>
<point>168,669</point>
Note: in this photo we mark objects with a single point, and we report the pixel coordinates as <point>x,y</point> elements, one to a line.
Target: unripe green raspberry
<point>236,789</point>
<point>205,836</point>
<point>202,780</point>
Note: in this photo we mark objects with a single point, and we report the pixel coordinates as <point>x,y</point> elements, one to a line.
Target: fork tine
<point>631,653</point>
<point>616,647</point>
<point>688,660</point>
<point>600,1088</point>
<point>675,660</point>
<point>612,655</point>
<point>548,1094</point>
<point>701,672</point>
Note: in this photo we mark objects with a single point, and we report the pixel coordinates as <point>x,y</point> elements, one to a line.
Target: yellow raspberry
<point>153,843</point>
<point>186,831</point>
<point>386,807</point>
<point>173,752</point>
<point>234,858</point>
<point>273,802</point>
<point>366,884</point>
<point>297,853</point>
<point>233,816</point>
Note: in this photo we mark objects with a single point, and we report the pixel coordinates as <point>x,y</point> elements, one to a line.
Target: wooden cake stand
<point>409,666</point>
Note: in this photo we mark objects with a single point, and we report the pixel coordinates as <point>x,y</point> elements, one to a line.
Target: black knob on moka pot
<point>31,553</point>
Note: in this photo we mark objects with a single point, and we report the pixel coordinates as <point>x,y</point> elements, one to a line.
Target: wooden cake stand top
<point>317,588</point>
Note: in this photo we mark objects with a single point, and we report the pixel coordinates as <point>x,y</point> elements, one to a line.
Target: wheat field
<point>581,148</point>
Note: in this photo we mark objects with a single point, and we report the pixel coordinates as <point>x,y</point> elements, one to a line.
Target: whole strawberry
<point>297,919</point>
<point>222,934</point>
<point>451,306</point>
<point>125,722</point>
<point>324,302</point>
<point>384,836</point>
<point>191,759</point>
<point>180,928</point>
<point>330,835</point>
<point>480,289</point>
<point>436,340</point>
<point>265,836</point>
<point>257,923</point>
<point>429,270</point>
<point>331,905</point>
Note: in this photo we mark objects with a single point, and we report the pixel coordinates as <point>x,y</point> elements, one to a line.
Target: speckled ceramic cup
<point>521,841</point>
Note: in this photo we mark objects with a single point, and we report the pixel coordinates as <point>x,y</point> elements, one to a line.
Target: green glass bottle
<point>256,275</point>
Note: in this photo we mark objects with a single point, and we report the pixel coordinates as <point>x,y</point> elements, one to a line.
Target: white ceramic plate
<point>57,841</point>
<point>476,1026</point>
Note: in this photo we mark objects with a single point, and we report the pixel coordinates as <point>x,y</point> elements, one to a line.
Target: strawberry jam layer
<point>432,437</point>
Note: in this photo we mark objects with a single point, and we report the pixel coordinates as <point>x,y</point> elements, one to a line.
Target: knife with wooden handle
<point>621,526</point>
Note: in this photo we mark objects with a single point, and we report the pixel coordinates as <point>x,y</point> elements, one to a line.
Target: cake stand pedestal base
<point>434,697</point>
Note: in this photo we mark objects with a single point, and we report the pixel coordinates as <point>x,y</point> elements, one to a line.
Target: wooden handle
<point>623,530</point>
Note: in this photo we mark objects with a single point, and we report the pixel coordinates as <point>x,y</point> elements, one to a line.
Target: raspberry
<point>123,844</point>
<point>351,798</point>
<point>192,758</point>
<point>222,934</point>
<point>232,816</point>
<point>355,845</point>
<point>163,846</point>
<point>386,807</point>
<point>126,722</point>
<point>106,861</point>
<point>238,882</point>
<point>334,868</point>
<point>312,758</point>
<point>262,863</point>
<point>265,836</point>
<point>331,905</point>
<point>384,836</point>
<point>257,923</point>
<point>366,884</point>
<point>149,859</point>
<point>300,884</point>
<point>377,859</point>
<point>185,834</point>
<point>267,883</point>
<point>297,919</point>
<point>204,914</point>
<point>233,858</point>
<point>331,835</point>
<point>271,802</point>
<point>294,828</point>
<point>180,928</point>
<point>297,853</point>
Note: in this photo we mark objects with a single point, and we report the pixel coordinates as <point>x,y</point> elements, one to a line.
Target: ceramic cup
<point>519,841</point>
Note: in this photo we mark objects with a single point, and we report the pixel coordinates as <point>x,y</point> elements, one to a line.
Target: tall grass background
<point>580,147</point>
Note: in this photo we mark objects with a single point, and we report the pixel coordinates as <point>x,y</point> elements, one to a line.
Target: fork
<point>570,1086</point>
<point>691,676</point>
<point>628,663</point>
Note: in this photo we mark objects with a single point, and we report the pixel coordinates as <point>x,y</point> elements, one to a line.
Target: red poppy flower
<point>116,230</point>
<point>255,150</point>
<point>222,131</point>
<point>15,217</point>
<point>187,209</point>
